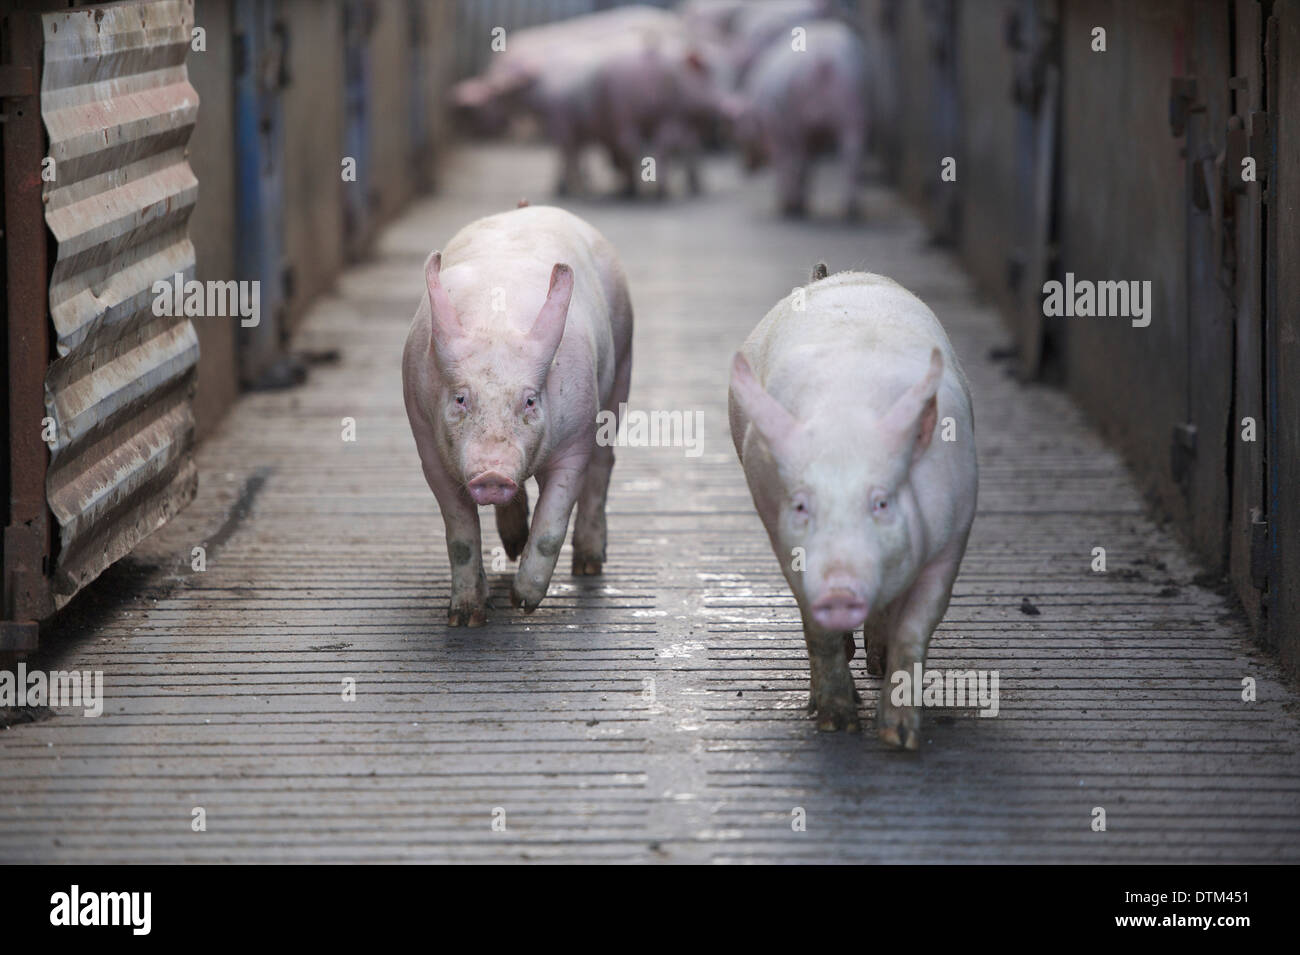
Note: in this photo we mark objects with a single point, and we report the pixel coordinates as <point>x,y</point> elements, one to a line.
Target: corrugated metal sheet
<point>118,109</point>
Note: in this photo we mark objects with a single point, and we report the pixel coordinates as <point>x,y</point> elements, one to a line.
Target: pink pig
<point>803,102</point>
<point>835,400</point>
<point>524,336</point>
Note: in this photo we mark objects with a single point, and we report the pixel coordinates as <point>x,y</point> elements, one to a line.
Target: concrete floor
<point>657,713</point>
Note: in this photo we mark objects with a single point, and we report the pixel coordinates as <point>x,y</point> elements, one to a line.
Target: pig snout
<point>492,487</point>
<point>841,605</point>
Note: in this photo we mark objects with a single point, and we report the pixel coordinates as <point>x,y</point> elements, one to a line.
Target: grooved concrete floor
<point>654,714</point>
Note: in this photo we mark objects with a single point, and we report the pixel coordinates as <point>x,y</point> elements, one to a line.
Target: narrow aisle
<point>655,713</point>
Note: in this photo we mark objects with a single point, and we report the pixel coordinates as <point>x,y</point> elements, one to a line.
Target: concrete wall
<point>1128,207</point>
<point>1284,343</point>
<point>1123,217</point>
<point>440,59</point>
<point>313,144</point>
<point>988,184</point>
<point>212,225</point>
<point>313,110</point>
<point>918,158</point>
<point>392,176</point>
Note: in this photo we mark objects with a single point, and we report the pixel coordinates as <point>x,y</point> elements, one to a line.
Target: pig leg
<point>560,485</point>
<point>684,149</point>
<point>570,172</point>
<point>920,611</point>
<point>589,527</point>
<point>624,155</point>
<point>465,553</point>
<point>852,143</point>
<point>875,639</point>
<point>791,166</point>
<point>563,133</point>
<point>833,697</point>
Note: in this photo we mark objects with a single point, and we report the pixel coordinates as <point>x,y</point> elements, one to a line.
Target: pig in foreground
<point>524,336</point>
<point>834,410</point>
<point>800,103</point>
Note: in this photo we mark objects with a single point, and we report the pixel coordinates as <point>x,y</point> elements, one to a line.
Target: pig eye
<point>530,402</point>
<point>879,505</point>
<point>460,400</point>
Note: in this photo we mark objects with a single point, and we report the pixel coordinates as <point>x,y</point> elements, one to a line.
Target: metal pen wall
<point>1203,401</point>
<point>83,347</point>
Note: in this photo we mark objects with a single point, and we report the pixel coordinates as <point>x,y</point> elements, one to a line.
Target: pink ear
<point>914,416</point>
<point>548,330</point>
<point>446,324</point>
<point>773,422</point>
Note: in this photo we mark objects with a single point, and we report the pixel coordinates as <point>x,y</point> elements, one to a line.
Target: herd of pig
<point>524,340</point>
<point>785,80</point>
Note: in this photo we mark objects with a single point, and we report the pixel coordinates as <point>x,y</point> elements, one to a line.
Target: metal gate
<point>1034,36</point>
<point>1282,330</point>
<point>358,22</point>
<point>118,110</point>
<point>945,117</point>
<point>261,72</point>
<point>1247,139</point>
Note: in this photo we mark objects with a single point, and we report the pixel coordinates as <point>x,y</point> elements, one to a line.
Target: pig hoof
<point>834,722</point>
<point>586,567</point>
<point>471,617</point>
<point>520,602</point>
<point>901,730</point>
<point>833,716</point>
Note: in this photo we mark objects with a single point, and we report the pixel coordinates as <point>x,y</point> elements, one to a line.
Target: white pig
<point>802,102</point>
<point>524,336</point>
<point>834,407</point>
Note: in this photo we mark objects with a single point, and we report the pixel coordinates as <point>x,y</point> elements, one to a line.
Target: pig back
<point>859,341</point>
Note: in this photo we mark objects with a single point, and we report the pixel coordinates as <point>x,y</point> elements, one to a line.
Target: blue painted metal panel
<point>418,101</point>
<point>259,177</point>
<point>358,20</point>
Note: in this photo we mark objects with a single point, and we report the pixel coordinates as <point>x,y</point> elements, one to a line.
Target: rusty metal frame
<point>27,544</point>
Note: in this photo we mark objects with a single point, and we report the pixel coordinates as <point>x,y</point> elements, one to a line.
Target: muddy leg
<point>589,527</point>
<point>465,553</point>
<point>833,697</point>
<point>559,491</point>
<point>922,608</point>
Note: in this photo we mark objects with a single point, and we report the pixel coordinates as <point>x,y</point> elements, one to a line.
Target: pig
<point>759,25</point>
<point>798,103</point>
<point>834,401</point>
<point>552,73</point>
<point>524,336</point>
<point>657,101</point>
